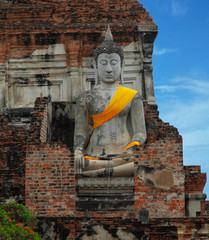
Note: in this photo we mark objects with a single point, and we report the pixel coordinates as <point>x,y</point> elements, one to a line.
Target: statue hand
<point>130,150</point>
<point>79,161</point>
<point>127,153</point>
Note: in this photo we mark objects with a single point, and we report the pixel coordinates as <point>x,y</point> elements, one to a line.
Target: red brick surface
<point>205,208</point>
<point>163,148</point>
<point>194,180</point>
<point>28,25</point>
<point>50,181</point>
<point>13,142</point>
<point>71,15</point>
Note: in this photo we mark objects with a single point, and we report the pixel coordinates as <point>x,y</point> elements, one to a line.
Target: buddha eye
<point>114,62</point>
<point>103,62</point>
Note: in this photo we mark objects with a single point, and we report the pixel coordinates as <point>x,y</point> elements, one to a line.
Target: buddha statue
<point>109,119</point>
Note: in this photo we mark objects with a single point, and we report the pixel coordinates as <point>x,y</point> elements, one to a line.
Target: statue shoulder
<point>138,96</point>
<point>84,98</point>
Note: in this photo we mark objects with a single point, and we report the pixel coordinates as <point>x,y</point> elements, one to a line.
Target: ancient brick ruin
<point>45,62</point>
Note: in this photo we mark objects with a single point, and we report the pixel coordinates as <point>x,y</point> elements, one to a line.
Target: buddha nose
<point>109,69</point>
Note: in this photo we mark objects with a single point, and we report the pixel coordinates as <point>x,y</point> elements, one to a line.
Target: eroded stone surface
<point>157,177</point>
<point>102,234</point>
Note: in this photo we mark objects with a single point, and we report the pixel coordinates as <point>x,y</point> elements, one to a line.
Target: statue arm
<point>81,131</point>
<point>81,123</point>
<point>138,120</point>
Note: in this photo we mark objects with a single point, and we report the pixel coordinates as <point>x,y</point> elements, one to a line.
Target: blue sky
<point>181,73</point>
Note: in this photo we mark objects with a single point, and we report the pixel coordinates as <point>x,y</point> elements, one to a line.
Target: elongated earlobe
<point>122,72</point>
<point>96,72</point>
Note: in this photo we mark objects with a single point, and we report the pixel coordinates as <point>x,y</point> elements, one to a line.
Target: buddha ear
<point>96,72</point>
<point>122,71</point>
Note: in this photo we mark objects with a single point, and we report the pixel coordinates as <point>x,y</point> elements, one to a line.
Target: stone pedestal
<point>111,194</point>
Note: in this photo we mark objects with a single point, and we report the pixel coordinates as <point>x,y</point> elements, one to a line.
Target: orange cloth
<point>91,158</point>
<point>119,101</point>
<point>131,144</point>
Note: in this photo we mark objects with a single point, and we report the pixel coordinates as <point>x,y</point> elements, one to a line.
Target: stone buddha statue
<point>109,119</point>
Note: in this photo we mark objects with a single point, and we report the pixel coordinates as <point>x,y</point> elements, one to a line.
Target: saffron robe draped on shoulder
<point>120,100</point>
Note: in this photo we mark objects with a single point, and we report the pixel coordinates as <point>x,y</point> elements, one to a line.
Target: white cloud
<point>187,108</point>
<point>197,86</point>
<point>177,8</point>
<point>191,119</point>
<point>163,51</point>
<point>187,115</point>
<point>166,88</point>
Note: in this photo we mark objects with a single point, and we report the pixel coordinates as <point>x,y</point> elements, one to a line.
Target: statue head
<point>108,60</point>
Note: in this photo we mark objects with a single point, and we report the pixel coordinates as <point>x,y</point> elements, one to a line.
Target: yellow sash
<point>120,100</point>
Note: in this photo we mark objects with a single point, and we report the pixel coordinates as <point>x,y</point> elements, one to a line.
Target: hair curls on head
<point>108,46</point>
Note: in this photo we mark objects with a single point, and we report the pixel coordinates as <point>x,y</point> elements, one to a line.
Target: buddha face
<point>109,67</point>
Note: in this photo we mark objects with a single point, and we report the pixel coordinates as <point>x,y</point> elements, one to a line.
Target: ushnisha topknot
<point>108,46</point>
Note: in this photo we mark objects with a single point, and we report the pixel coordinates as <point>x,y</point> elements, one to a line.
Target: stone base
<point>105,193</point>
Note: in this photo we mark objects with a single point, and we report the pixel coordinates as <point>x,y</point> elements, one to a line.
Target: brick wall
<point>194,180</point>
<point>50,180</point>
<point>3,54</point>
<point>13,142</point>
<point>163,148</point>
<point>205,208</point>
<point>49,177</point>
<point>26,26</point>
<point>76,14</point>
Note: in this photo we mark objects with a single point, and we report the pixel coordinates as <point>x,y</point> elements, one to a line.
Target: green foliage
<point>17,222</point>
